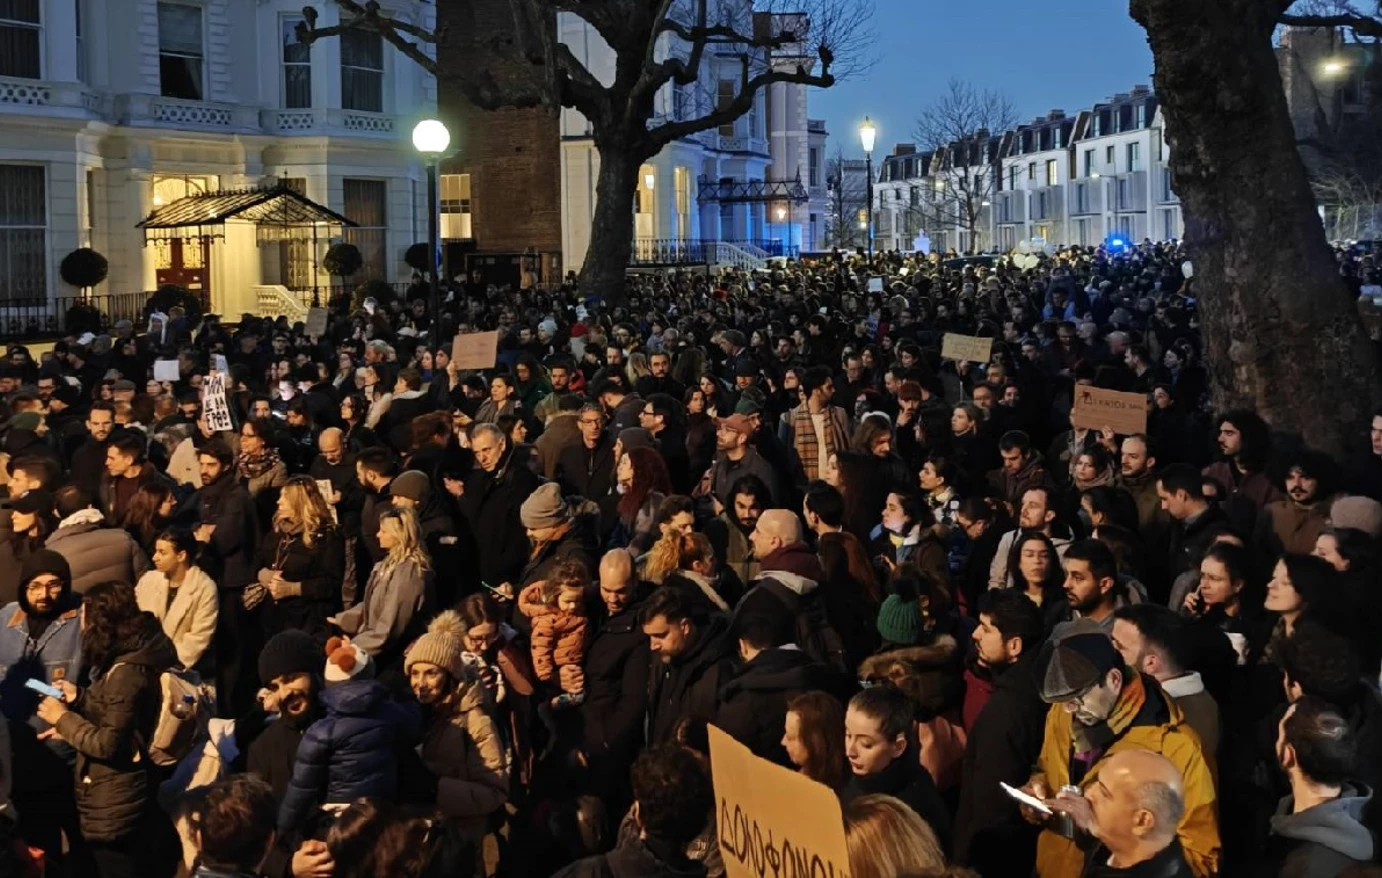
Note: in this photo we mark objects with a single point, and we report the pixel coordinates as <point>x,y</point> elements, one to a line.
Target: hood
<point>801,585</point>
<point>1336,824</point>
<point>409,394</point>
<point>781,669</point>
<point>710,643</point>
<point>149,646</point>
<point>91,517</point>
<point>794,559</point>
<point>355,697</point>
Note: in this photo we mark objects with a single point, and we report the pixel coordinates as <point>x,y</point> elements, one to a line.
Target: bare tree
<point>661,47</point>
<point>848,186</point>
<point>1281,331</point>
<point>962,129</point>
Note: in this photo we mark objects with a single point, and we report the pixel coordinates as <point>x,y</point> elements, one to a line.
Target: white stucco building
<point>746,184</point>
<point>1099,176</point>
<point>113,109</point>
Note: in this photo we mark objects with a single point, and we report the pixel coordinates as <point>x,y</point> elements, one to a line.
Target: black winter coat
<point>586,473</point>
<point>1004,741</point>
<point>318,569</point>
<point>906,779</point>
<point>753,700</point>
<point>105,726</point>
<point>229,558</point>
<point>490,506</point>
<point>689,685</point>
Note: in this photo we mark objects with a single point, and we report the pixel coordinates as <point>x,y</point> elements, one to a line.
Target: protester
<point>181,596</point>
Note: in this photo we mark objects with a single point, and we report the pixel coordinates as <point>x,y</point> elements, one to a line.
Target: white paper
<point>875,285</point>
<point>214,406</point>
<point>166,370</point>
<point>218,362</point>
<point>1030,801</point>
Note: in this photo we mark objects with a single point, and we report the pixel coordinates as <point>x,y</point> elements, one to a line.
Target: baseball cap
<point>738,423</point>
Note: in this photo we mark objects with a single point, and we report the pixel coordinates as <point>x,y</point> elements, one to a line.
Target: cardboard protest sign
<point>316,322</point>
<point>475,350</point>
<point>166,370</point>
<point>770,820</point>
<point>966,347</point>
<point>1096,408</point>
<point>214,406</point>
<point>875,285</point>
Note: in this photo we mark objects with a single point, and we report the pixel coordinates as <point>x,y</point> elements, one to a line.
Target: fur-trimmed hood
<point>930,674</point>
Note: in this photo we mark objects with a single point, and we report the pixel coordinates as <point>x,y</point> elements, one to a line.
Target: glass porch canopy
<point>279,213</point>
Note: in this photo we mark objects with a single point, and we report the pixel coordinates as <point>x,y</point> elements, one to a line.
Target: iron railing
<point>31,319</point>
<point>323,294</point>
<point>671,251</point>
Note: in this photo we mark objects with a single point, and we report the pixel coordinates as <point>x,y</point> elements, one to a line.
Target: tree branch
<point>1362,25</point>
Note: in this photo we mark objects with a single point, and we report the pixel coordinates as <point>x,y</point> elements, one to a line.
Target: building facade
<point>113,109</point>
<point>1100,176</point>
<point>745,184</point>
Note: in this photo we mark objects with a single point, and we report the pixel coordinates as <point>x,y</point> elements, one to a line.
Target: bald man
<point>789,581</point>
<point>335,464</point>
<point>615,680</point>
<point>1133,808</point>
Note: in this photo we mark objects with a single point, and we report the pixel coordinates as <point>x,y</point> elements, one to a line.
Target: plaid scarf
<point>806,444</point>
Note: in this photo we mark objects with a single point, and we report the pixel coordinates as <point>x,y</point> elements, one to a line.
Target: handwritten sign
<point>966,347</point>
<point>1096,408</point>
<point>316,322</point>
<point>475,350</point>
<point>770,820</point>
<point>218,362</point>
<point>214,405</point>
<point>875,285</point>
<point>166,370</point>
<point>324,486</point>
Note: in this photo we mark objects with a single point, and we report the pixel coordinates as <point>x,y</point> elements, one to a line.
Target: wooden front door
<point>186,262</point>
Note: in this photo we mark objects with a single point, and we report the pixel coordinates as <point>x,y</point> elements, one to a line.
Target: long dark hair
<point>142,520</point>
<point>111,620</point>
<point>1052,584</point>
<point>649,475</point>
<point>821,721</point>
<point>845,562</point>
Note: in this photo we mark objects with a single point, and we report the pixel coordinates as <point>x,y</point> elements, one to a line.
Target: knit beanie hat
<point>287,653</point>
<point>636,437</point>
<point>411,485</point>
<point>346,662</point>
<point>1357,513</point>
<point>45,561</point>
<point>1078,663</point>
<point>26,421</point>
<point>442,645</point>
<point>544,508</point>
<point>899,621</point>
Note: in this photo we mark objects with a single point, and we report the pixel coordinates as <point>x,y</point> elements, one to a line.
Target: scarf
<point>83,516</point>
<point>252,466</point>
<point>805,441</point>
<point>1091,741</point>
<point>1102,478</point>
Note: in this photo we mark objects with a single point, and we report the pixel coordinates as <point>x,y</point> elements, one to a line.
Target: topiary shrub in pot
<point>83,268</point>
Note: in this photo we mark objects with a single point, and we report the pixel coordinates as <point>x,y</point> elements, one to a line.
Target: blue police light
<point>1117,242</point>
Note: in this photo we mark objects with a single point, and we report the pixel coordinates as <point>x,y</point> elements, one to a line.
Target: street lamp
<point>867,134</point>
<point>1333,67</point>
<point>431,138</point>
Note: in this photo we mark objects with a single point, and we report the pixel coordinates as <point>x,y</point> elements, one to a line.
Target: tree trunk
<point>611,229</point>
<point>1282,334</point>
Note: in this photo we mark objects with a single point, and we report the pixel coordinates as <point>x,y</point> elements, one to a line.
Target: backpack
<point>814,633</point>
<point>184,708</point>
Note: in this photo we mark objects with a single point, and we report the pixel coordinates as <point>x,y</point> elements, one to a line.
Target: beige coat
<point>463,748</point>
<point>190,621</point>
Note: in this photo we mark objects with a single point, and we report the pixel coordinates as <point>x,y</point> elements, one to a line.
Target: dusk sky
<point>1063,54</point>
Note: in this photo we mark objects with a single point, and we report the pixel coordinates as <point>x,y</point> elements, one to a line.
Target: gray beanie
<point>544,508</point>
<point>411,485</point>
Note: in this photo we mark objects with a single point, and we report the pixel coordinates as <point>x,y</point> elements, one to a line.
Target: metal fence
<point>32,319</point>
<point>322,295</point>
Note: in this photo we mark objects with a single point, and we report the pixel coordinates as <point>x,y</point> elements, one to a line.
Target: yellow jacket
<point>1058,857</point>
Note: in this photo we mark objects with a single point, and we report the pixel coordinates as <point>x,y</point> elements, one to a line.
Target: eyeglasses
<point>591,422</point>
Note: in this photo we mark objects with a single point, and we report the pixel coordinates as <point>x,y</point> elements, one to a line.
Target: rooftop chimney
<point>1141,89</point>
<point>1056,114</point>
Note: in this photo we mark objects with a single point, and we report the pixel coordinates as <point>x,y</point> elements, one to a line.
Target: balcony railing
<point>31,319</point>
<point>670,251</point>
<point>50,98</point>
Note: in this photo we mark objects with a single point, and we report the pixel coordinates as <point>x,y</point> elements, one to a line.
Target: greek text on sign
<point>1097,408</point>
<point>214,406</point>
<point>771,821</point>
<point>966,347</point>
<point>316,322</point>
<point>475,350</point>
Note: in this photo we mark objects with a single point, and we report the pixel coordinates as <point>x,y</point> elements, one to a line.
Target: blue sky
<point>1063,54</point>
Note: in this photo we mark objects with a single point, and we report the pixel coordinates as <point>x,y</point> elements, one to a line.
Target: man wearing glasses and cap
<point>1099,708</point>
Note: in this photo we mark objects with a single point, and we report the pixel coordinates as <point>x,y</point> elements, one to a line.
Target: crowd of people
<point>404,619</point>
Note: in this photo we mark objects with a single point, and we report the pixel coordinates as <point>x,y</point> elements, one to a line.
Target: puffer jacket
<point>465,750</point>
<point>105,725</point>
<point>349,753</point>
<point>97,553</point>
<point>557,638</point>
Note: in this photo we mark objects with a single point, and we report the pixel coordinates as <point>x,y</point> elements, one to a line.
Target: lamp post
<point>781,213</point>
<point>867,133</point>
<point>431,139</point>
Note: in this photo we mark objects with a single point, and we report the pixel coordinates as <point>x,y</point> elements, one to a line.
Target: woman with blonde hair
<point>301,562</point>
<point>637,367</point>
<point>886,839</point>
<point>398,597</point>
<point>717,589</point>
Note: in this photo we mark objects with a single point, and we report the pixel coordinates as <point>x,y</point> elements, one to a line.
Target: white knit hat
<point>345,661</point>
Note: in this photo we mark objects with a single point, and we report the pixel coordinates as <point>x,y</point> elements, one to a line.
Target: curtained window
<point>366,202</point>
<point>23,233</point>
<point>181,61</point>
<point>362,71</point>
<point>20,39</point>
<point>297,66</point>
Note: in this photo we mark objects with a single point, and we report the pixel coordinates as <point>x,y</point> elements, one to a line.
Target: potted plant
<point>342,260</point>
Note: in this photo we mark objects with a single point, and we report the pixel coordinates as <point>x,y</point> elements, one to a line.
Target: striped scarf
<point>1091,741</point>
<point>806,444</point>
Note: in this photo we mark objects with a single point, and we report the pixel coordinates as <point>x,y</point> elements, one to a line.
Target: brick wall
<point>513,156</point>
